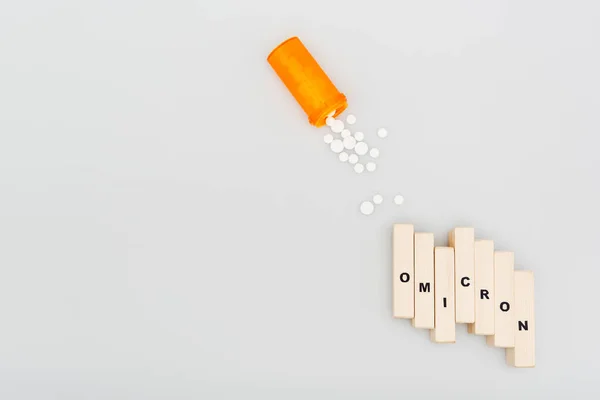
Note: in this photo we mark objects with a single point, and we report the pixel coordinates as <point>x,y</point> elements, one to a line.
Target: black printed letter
<point>404,277</point>
<point>523,325</point>
<point>484,293</point>
<point>424,287</point>
<point>504,306</point>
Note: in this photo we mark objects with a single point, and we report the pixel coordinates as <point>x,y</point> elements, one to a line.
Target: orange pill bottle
<point>306,81</point>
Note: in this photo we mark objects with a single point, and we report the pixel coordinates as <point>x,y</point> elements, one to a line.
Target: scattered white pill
<point>359,136</point>
<point>337,126</point>
<point>398,199</point>
<point>371,166</point>
<point>359,168</point>
<point>351,119</point>
<point>329,121</point>
<point>367,208</point>
<point>353,159</point>
<point>346,133</point>
<point>378,199</point>
<point>349,143</point>
<point>382,132</point>
<point>343,156</point>
<point>361,148</point>
<point>374,152</point>
<point>337,146</point>
<point>328,138</point>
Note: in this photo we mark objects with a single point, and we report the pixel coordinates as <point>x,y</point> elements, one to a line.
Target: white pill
<point>343,156</point>
<point>398,199</point>
<point>361,148</point>
<point>328,138</point>
<point>351,119</point>
<point>382,132</point>
<point>359,136</point>
<point>337,146</point>
<point>346,133</point>
<point>329,121</point>
<point>349,143</point>
<point>359,168</point>
<point>337,126</point>
<point>353,159</point>
<point>367,208</point>
<point>378,199</point>
<point>374,152</point>
<point>331,114</point>
<point>371,166</point>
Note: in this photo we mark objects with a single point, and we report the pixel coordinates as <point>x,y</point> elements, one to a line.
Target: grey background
<point>171,227</point>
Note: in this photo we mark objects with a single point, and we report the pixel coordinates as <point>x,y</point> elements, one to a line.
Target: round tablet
<point>349,143</point>
<point>382,132</point>
<point>343,156</point>
<point>359,136</point>
<point>374,152</point>
<point>353,159</point>
<point>328,138</point>
<point>361,148</point>
<point>351,119</point>
<point>337,126</point>
<point>346,133</point>
<point>378,199</point>
<point>371,166</point>
<point>398,199</point>
<point>359,168</point>
<point>329,120</point>
<point>367,208</point>
<point>337,146</point>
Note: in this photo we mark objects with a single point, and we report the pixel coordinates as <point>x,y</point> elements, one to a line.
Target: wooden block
<point>445,325</point>
<point>463,241</point>
<point>504,294</point>
<point>424,281</point>
<point>523,354</point>
<point>484,288</point>
<point>403,260</point>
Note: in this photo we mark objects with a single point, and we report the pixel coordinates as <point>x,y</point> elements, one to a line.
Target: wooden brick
<point>463,241</point>
<point>504,314</point>
<point>523,354</point>
<point>484,288</point>
<point>445,325</point>
<point>424,281</point>
<point>403,270</point>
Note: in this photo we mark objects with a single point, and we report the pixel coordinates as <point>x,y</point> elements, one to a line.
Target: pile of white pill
<point>367,207</point>
<point>351,147</point>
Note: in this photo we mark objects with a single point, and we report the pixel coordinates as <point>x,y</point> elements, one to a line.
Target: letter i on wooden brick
<point>504,317</point>
<point>445,325</point>
<point>484,288</point>
<point>424,281</point>
<point>403,267</point>
<point>463,241</point>
<point>523,354</point>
